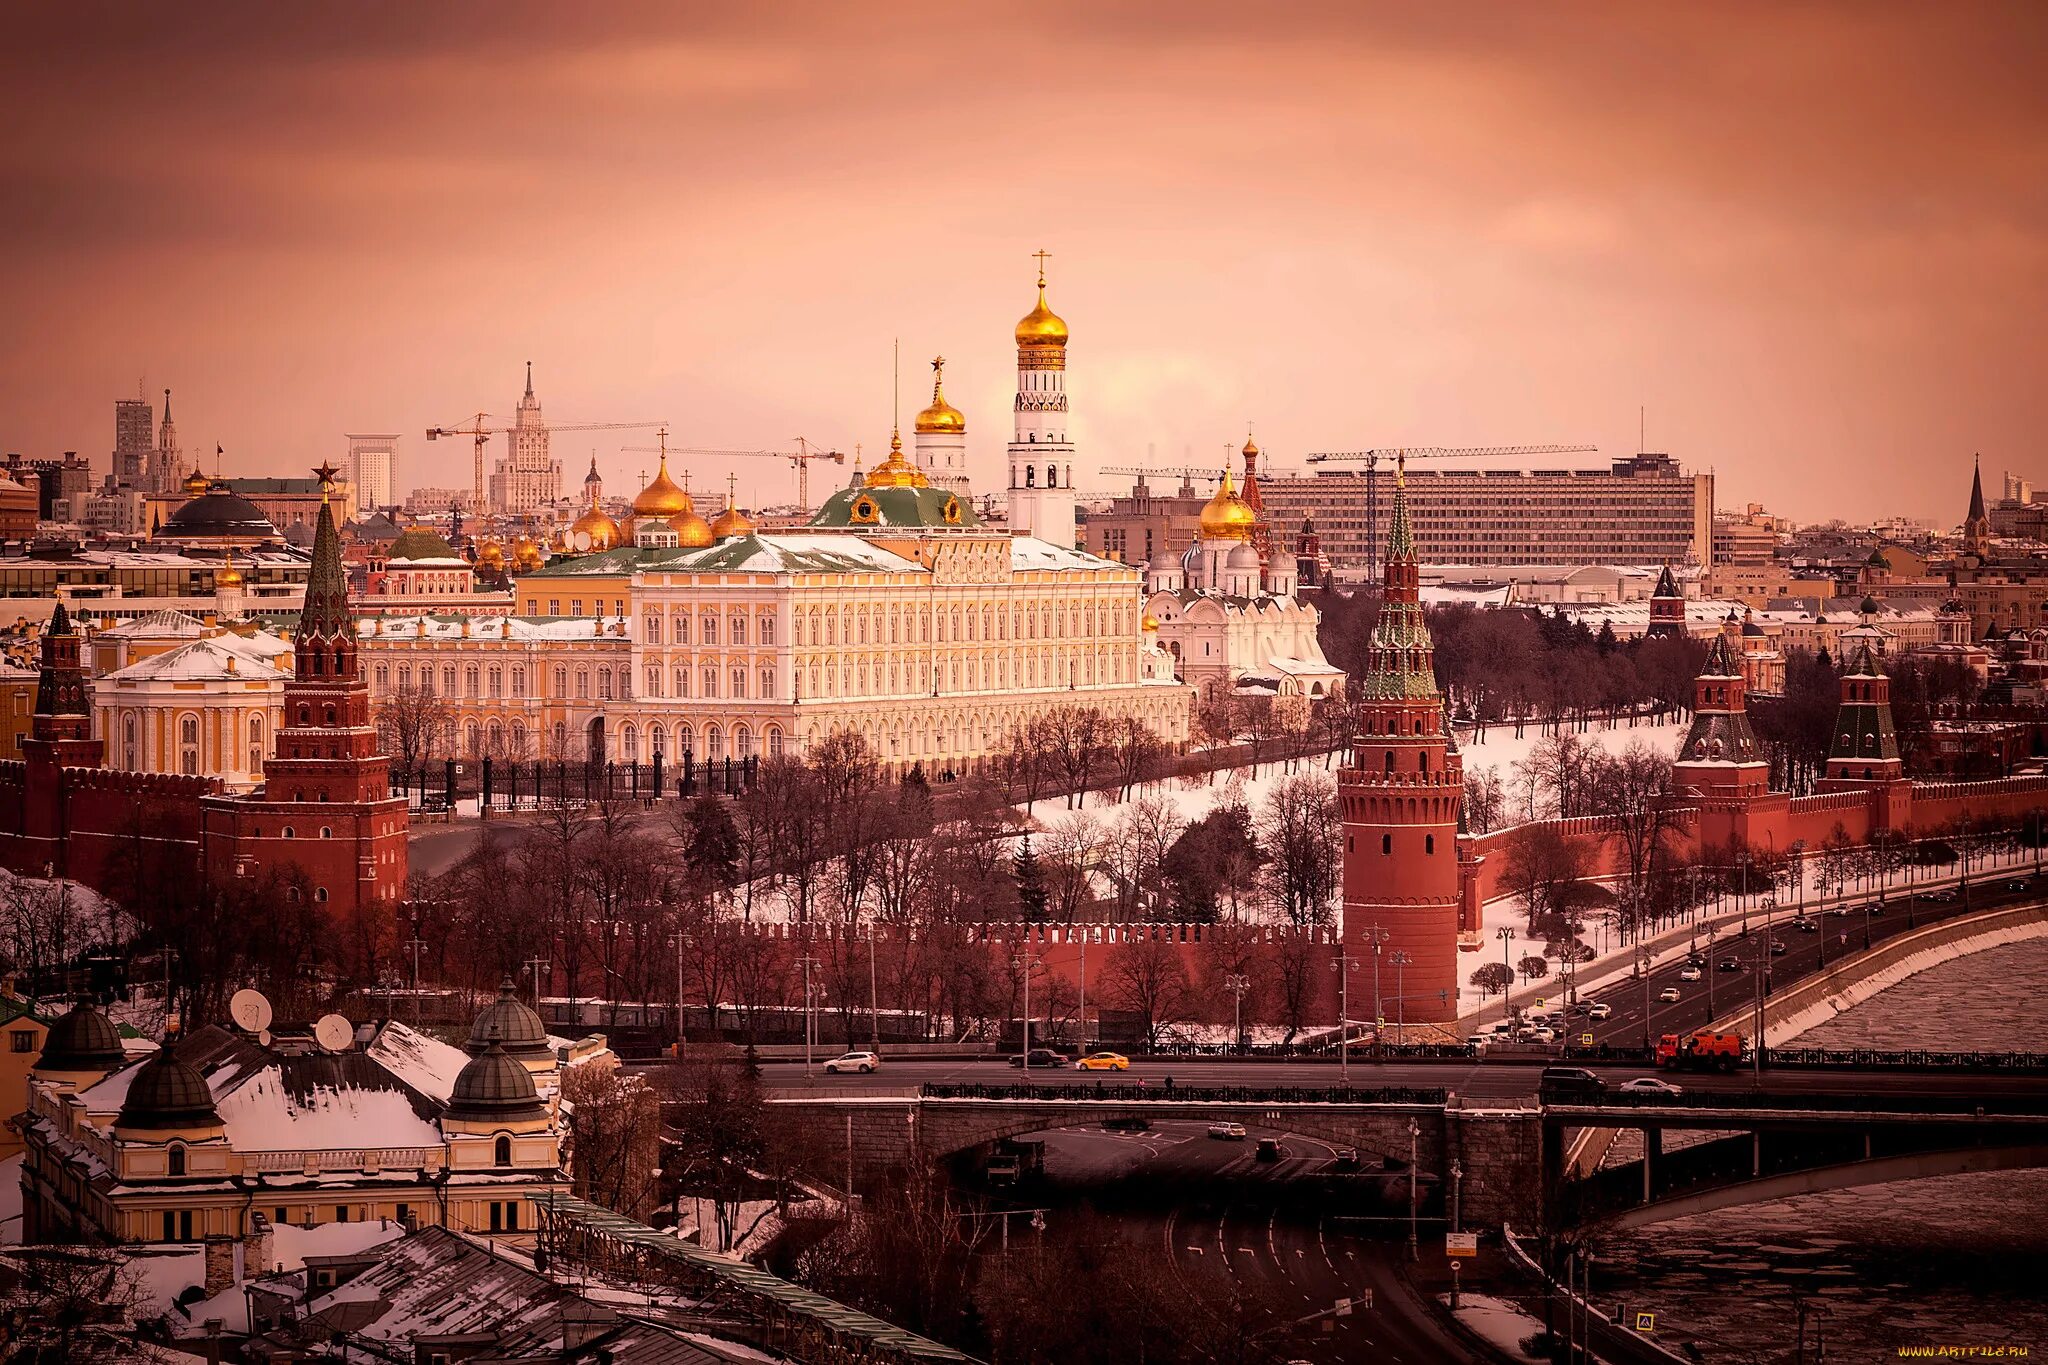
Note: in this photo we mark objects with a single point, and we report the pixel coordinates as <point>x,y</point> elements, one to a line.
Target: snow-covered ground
<point>1188,798</point>
<point>1501,750</point>
<point>1499,1322</point>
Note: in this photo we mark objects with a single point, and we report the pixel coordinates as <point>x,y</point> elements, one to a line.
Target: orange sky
<point>1810,240</point>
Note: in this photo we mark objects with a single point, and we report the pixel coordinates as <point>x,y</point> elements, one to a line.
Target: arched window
<point>657,741</point>
<point>714,744</point>
<point>1390,760</point>
<point>739,682</point>
<point>188,745</point>
<point>1429,843</point>
<point>710,680</point>
<point>1386,843</point>
<point>504,1150</point>
<point>743,742</point>
<point>175,1160</point>
<point>630,742</point>
<point>320,894</point>
<point>739,630</point>
<point>774,741</point>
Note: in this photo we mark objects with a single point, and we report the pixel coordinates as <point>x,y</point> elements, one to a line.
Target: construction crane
<point>799,459</point>
<point>1371,460</point>
<point>478,430</point>
<point>1188,473</point>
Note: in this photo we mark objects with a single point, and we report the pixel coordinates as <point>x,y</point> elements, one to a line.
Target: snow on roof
<point>157,625</point>
<point>450,627</point>
<point>264,1113</point>
<point>1029,552</point>
<point>793,553</point>
<point>1295,668</point>
<point>426,1064</point>
<point>210,660</point>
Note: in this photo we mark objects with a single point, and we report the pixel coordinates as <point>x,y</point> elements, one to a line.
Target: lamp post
<point>1709,973</point>
<point>1506,935</point>
<point>1763,980</point>
<point>1023,960</point>
<point>415,946</point>
<point>1414,1131</point>
<point>807,962</point>
<point>1379,1012</point>
<point>1344,966</point>
<point>1643,960</point>
<point>1237,983</point>
<point>1401,961</point>
<point>874,998</point>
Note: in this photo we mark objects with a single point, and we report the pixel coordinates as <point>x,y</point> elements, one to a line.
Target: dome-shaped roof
<point>526,552</point>
<point>194,483</point>
<point>692,531</point>
<point>1244,556</point>
<point>603,531</point>
<point>1150,623</point>
<point>508,1022</point>
<point>1041,326</point>
<point>82,1040</point>
<point>1749,625</point>
<point>492,555</point>
<point>1869,607</point>
<point>494,1086</point>
<point>227,576</point>
<point>663,497</point>
<point>166,1093</point>
<point>941,416</point>
<point>415,543</point>
<point>731,522</point>
<point>897,472</point>
<point>1227,516</point>
<point>218,512</point>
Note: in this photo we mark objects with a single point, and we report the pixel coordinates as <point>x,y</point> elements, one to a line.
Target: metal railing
<point>1130,1092</point>
<point>1902,1102</point>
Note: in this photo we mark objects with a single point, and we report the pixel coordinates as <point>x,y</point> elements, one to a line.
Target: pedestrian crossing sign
<point>1646,1323</point>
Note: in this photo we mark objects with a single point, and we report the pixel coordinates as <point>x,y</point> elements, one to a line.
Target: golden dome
<point>603,531</point>
<point>896,472</point>
<point>196,483</point>
<point>1227,516</point>
<point>526,552</point>
<point>692,531</point>
<point>663,497</point>
<point>941,415</point>
<point>1041,326</point>
<point>229,576</point>
<point>1150,623</point>
<point>491,555</point>
<point>731,522</point>
<point>1251,447</point>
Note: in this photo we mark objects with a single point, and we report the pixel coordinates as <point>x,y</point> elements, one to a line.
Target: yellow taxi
<point>1103,1061</point>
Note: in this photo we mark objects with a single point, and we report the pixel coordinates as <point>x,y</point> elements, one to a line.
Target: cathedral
<point>1227,609</point>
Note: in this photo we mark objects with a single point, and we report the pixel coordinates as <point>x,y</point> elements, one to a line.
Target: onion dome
<point>1251,447</point>
<point>82,1040</point>
<point>897,472</point>
<point>603,531</point>
<point>1243,557</point>
<point>510,1024</point>
<point>1869,607</point>
<point>1227,516</point>
<point>219,512</point>
<point>167,1093</point>
<point>526,552</point>
<point>1149,624</point>
<point>227,576</point>
<point>492,555</point>
<point>941,416</point>
<point>692,531</point>
<point>494,1086</point>
<point>1749,625</point>
<point>195,483</point>
<point>731,522</point>
<point>1041,328</point>
<point>662,498</point>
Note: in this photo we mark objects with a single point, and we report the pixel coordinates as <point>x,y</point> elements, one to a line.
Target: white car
<point>1600,1011</point>
<point>1649,1085</point>
<point>1668,994</point>
<point>1689,974</point>
<point>863,1062</point>
<point>1227,1132</point>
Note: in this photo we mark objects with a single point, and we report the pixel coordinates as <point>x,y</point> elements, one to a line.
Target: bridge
<point>1503,1165</point>
<point>1777,1146</point>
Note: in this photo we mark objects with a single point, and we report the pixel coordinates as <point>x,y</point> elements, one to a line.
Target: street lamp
<point>1379,1011</point>
<point>1344,966</point>
<point>1414,1131</point>
<point>810,1014</point>
<point>1401,960</point>
<point>1023,960</point>
<point>1506,935</point>
<point>1237,983</point>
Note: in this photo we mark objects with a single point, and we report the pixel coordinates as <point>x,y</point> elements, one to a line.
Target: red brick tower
<point>1720,758</point>
<point>325,807</point>
<point>59,737</point>
<point>1667,608</point>
<point>1262,530</point>
<point>1401,795</point>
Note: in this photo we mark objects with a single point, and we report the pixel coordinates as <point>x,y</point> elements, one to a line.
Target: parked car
<point>1268,1150</point>
<point>1668,994</point>
<point>1689,974</point>
<point>1039,1056</point>
<point>863,1062</point>
<point>1649,1085</point>
<point>1227,1132</point>
<point>1600,1010</point>
<point>1731,964</point>
<point>1103,1061</point>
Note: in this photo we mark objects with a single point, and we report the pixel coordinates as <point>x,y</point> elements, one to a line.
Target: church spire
<point>1977,526</point>
<point>529,379</point>
<point>325,620</point>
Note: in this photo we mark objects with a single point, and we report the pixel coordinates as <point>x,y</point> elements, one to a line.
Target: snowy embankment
<point>1501,1324</point>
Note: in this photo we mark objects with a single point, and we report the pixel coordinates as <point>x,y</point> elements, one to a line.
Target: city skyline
<point>1358,229</point>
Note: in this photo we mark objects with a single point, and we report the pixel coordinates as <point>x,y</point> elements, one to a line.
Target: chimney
<point>256,1247</point>
<point>220,1264</point>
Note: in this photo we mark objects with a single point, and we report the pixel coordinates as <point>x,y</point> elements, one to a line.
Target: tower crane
<point>1188,473</point>
<point>1371,460</point>
<point>799,459</point>
<point>478,429</point>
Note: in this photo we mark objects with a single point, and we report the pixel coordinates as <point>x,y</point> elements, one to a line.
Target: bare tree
<point>414,723</point>
<point>1632,789</point>
<point>1147,977</point>
<point>615,1121</point>
<point>1300,832</point>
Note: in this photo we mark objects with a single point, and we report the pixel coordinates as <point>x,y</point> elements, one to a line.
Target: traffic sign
<point>1646,1323</point>
<point>1585,1040</point>
<point>1461,1244</point>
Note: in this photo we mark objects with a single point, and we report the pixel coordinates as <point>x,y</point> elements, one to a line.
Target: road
<point>1225,1224</point>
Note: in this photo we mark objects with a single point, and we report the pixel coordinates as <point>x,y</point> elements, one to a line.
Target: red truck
<point>1705,1050</point>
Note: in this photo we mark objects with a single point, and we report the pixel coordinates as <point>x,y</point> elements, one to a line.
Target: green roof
<point>883,507</point>
<point>420,542</point>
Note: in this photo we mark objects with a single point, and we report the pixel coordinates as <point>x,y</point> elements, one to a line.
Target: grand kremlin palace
<point>894,614</point>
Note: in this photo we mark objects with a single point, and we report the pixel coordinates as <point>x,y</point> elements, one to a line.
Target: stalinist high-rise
<point>528,478</point>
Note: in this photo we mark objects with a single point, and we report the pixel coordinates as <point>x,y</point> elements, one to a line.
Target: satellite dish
<point>250,1010</point>
<point>334,1032</point>
<point>264,1037</point>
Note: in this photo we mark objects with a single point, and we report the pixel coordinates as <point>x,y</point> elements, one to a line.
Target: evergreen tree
<point>1030,878</point>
